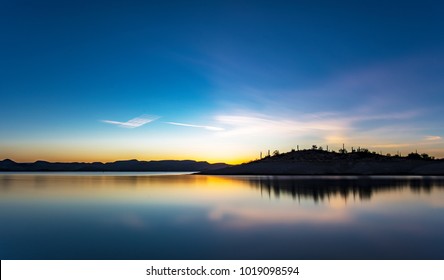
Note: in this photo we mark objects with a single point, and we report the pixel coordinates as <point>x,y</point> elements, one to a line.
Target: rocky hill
<point>318,162</point>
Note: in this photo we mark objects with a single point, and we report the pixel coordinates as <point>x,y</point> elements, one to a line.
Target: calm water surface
<point>177,216</point>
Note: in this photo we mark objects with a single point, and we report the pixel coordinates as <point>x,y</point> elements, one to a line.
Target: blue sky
<point>218,80</point>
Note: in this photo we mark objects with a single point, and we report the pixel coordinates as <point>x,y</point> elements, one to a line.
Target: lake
<point>180,216</point>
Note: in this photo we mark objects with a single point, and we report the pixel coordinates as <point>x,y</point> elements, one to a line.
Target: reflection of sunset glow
<point>124,211</point>
<point>251,215</point>
<point>337,202</point>
<point>228,201</point>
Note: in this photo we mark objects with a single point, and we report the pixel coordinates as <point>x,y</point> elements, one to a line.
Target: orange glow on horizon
<point>112,158</point>
<point>104,158</point>
<point>93,152</point>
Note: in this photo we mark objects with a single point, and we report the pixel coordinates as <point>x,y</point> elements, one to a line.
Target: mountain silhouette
<point>121,165</point>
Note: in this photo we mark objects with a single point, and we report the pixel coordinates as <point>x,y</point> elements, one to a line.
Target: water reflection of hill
<point>320,188</point>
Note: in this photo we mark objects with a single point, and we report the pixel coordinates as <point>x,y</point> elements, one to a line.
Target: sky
<point>219,81</point>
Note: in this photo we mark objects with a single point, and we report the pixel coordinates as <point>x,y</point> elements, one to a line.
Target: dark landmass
<point>124,165</point>
<point>320,162</point>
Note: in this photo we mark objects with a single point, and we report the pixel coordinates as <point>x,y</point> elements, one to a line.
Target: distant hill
<point>318,162</point>
<point>124,165</point>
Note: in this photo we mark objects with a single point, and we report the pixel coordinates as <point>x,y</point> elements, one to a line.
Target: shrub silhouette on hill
<point>319,153</point>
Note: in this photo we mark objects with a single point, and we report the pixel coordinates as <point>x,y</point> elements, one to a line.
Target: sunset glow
<point>218,82</point>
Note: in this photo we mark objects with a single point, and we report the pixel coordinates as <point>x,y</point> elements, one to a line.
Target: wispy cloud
<point>248,124</point>
<point>432,138</point>
<point>214,128</point>
<point>133,123</point>
<point>393,145</point>
<point>371,128</point>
